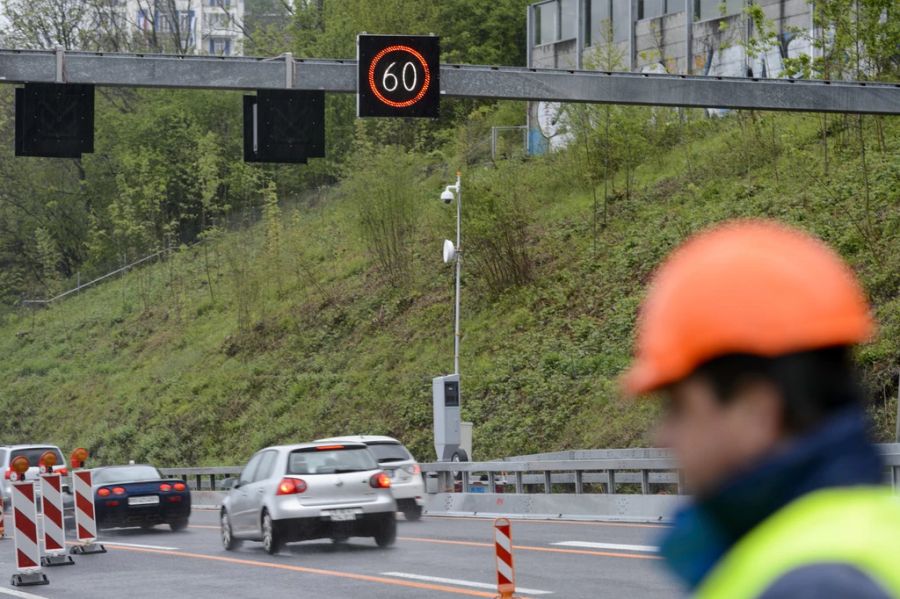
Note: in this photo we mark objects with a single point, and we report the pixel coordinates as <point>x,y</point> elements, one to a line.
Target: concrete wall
<point>630,508</point>
<point>660,44</point>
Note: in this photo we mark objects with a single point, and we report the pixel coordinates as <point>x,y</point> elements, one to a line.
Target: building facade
<point>211,27</point>
<point>694,37</point>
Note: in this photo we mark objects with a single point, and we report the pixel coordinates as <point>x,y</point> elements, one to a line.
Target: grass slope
<point>286,330</point>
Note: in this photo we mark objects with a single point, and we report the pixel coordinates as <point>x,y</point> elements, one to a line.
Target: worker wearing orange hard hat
<point>746,332</point>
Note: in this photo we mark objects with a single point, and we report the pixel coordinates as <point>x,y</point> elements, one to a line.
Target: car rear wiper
<point>346,470</point>
<point>386,460</point>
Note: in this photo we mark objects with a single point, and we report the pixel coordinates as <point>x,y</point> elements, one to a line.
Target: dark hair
<point>814,384</point>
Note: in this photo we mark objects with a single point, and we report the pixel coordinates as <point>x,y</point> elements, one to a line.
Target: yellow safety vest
<point>856,526</point>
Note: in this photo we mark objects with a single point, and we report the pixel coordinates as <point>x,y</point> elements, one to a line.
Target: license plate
<point>145,500</point>
<point>342,515</point>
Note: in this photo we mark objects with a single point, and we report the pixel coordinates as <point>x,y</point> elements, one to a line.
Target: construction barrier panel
<point>54,525</point>
<point>506,573</point>
<point>28,552</point>
<point>85,518</point>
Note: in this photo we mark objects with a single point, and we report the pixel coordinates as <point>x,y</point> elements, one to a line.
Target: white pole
<point>458,270</point>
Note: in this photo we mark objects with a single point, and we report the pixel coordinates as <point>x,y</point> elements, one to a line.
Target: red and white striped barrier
<point>85,518</point>
<point>54,525</point>
<point>506,572</point>
<point>28,551</point>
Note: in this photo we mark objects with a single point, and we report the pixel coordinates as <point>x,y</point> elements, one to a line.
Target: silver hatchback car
<point>309,491</point>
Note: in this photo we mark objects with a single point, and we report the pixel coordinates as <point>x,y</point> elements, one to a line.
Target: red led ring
<point>418,56</point>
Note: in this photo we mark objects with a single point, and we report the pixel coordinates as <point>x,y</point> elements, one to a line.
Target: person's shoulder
<point>826,581</point>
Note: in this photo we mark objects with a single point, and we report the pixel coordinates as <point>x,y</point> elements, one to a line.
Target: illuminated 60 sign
<point>399,75</point>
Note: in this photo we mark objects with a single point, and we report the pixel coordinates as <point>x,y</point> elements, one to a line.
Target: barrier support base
<point>57,560</point>
<point>87,549</point>
<point>29,579</point>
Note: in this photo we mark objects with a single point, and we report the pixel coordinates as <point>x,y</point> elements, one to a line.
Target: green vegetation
<point>291,302</point>
<point>295,327</point>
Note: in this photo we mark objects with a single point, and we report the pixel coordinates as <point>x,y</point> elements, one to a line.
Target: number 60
<point>390,82</point>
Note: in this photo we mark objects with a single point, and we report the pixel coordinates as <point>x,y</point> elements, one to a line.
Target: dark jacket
<point>837,454</point>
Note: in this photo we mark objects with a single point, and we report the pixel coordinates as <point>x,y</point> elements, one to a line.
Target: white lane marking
<point>138,545</point>
<point>460,583</point>
<point>615,546</point>
<point>20,594</point>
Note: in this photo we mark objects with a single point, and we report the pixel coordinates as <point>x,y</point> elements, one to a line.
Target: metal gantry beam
<point>206,72</point>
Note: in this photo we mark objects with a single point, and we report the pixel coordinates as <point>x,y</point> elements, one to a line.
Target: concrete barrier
<point>626,508</point>
<point>207,499</point>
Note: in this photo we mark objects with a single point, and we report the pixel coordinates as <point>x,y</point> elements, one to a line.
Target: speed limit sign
<point>399,75</point>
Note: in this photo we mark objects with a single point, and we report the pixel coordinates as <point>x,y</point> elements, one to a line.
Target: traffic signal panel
<point>284,125</point>
<point>54,120</point>
<point>399,76</point>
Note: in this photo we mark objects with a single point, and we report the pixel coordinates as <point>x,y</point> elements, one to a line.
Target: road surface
<point>436,557</point>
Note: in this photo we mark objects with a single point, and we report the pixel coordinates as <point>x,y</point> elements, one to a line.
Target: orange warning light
<point>48,460</point>
<point>79,457</point>
<point>20,466</point>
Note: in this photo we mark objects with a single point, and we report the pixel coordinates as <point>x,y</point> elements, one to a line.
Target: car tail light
<point>112,502</point>
<point>180,486</point>
<point>118,490</point>
<point>165,487</point>
<point>175,499</point>
<point>104,492</point>
<point>380,481</point>
<point>329,447</point>
<point>291,486</point>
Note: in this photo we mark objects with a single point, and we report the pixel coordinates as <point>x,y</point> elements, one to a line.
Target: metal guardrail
<point>609,473</point>
<point>194,477</point>
<point>562,474</point>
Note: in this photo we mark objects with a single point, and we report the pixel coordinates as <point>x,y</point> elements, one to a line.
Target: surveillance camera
<point>447,196</point>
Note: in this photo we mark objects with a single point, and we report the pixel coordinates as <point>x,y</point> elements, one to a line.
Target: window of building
<point>607,18</point>
<point>651,9</point>
<point>222,3</point>
<point>164,24</point>
<point>621,21</point>
<point>217,21</point>
<point>713,9</point>
<point>219,46</point>
<point>598,18</point>
<point>545,23</point>
<point>568,19</point>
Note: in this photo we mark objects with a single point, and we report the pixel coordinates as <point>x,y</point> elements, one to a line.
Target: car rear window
<point>34,455</point>
<point>390,452</point>
<point>330,461</point>
<point>125,474</point>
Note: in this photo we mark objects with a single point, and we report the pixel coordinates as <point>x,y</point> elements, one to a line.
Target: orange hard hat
<point>754,287</point>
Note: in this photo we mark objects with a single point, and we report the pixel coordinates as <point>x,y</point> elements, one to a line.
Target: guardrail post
<point>199,480</point>
<point>579,482</point>
<point>680,482</point>
<point>492,486</point>
<point>548,482</point>
<point>645,482</point>
<point>520,483</point>
<point>611,481</point>
<point>465,482</point>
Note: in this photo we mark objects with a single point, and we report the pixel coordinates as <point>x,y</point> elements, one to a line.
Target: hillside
<point>298,326</point>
